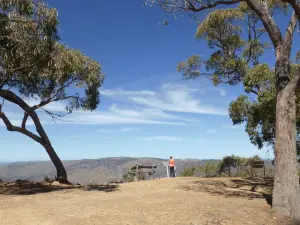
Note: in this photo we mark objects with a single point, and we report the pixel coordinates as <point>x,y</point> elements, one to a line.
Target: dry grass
<point>180,201</point>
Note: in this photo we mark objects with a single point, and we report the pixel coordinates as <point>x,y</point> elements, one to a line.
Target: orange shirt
<point>171,163</point>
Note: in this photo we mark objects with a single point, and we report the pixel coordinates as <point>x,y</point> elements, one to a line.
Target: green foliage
<point>236,37</point>
<point>240,164</point>
<point>35,64</point>
<point>48,179</point>
<point>188,172</point>
<point>229,166</point>
<point>127,177</point>
<point>217,19</point>
<point>190,68</point>
<point>209,169</point>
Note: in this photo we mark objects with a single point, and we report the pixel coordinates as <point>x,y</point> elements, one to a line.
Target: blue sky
<point>147,109</point>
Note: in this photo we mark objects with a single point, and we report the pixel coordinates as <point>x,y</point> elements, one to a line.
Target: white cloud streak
<point>176,98</point>
<point>160,138</point>
<point>211,131</point>
<point>223,92</point>
<point>143,107</point>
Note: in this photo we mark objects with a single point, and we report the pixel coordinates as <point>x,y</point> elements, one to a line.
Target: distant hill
<point>90,170</point>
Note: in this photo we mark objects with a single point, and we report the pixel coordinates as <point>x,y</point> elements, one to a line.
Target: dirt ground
<point>179,201</point>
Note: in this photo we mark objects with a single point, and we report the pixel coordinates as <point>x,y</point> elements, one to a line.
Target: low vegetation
<point>129,177</point>
<point>188,172</point>
<point>229,166</point>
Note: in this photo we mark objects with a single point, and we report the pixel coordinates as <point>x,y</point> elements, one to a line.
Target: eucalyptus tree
<point>235,30</point>
<point>34,64</point>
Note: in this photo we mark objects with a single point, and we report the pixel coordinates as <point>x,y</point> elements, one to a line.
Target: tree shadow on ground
<point>105,188</point>
<point>235,187</point>
<point>267,182</point>
<point>23,187</point>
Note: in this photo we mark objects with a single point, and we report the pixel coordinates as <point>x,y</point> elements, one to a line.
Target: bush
<point>48,179</point>
<point>209,169</point>
<point>141,176</point>
<point>240,164</point>
<point>127,177</point>
<point>188,172</point>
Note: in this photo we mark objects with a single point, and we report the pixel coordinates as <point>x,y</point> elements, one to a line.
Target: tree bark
<point>61,174</point>
<point>286,193</point>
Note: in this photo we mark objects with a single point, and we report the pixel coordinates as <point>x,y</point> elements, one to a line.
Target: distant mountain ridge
<point>86,171</point>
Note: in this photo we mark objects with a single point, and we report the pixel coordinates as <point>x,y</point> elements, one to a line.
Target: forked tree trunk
<point>286,193</point>
<point>42,138</point>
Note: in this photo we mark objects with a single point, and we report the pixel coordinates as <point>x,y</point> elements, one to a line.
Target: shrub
<point>188,172</point>
<point>127,177</point>
<point>240,164</point>
<point>209,169</point>
<point>48,179</point>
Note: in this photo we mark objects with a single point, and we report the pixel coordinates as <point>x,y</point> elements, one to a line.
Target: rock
<point>55,183</point>
<point>234,191</point>
<point>261,190</point>
<point>230,184</point>
<point>246,188</point>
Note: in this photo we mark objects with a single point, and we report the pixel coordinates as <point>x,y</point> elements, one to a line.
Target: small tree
<point>34,64</point>
<point>209,169</point>
<point>226,164</point>
<point>188,172</point>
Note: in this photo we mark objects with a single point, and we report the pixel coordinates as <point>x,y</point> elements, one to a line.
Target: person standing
<point>172,167</point>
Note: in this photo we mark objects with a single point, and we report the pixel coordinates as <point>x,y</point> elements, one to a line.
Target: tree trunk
<point>286,193</point>
<point>61,174</point>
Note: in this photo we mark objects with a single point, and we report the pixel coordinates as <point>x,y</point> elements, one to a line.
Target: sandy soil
<point>159,202</point>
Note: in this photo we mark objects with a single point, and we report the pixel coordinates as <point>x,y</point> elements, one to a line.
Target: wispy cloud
<point>104,131</point>
<point>176,98</point>
<point>233,126</point>
<point>101,118</point>
<point>145,113</point>
<point>90,118</point>
<point>121,92</point>
<point>125,129</point>
<point>211,131</point>
<point>229,126</point>
<point>161,138</point>
<point>223,92</point>
<point>164,107</point>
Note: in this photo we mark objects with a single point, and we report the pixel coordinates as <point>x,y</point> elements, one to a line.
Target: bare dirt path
<point>159,202</point>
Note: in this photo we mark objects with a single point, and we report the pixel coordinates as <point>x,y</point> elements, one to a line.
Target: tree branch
<point>54,97</point>
<point>262,10</point>
<point>13,98</point>
<point>254,92</point>
<point>24,120</point>
<point>289,34</point>
<point>296,6</point>
<point>13,128</point>
<point>191,7</point>
<point>56,116</point>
